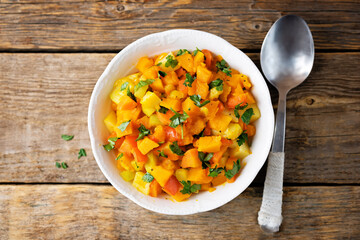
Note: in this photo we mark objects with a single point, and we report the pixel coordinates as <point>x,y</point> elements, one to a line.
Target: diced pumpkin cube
<point>220,122</point>
<point>138,166</point>
<point>219,179</point>
<point>151,73</point>
<point>186,61</point>
<point>126,115</point>
<point>169,165</point>
<point>157,85</point>
<point>202,89</point>
<point>144,63</point>
<point>209,144</point>
<point>199,176</point>
<point>197,126</point>
<point>149,103</point>
<point>246,81</point>
<point>128,130</point>
<point>159,133</point>
<point>249,98</point>
<point>161,174</point>
<point>233,131</point>
<point>198,59</point>
<point>240,152</point>
<point>125,162</point>
<point>175,94</point>
<point>116,94</point>
<point>226,91</point>
<point>155,189</point>
<point>126,103</point>
<point>191,159</point>
<point>141,185</point>
<point>165,118</point>
<point>171,79</point>
<point>250,130</point>
<point>179,197</point>
<point>190,108</point>
<point>234,100</point>
<point>181,174</point>
<point>140,92</point>
<point>127,175</point>
<point>110,121</point>
<point>151,163</point>
<point>203,74</point>
<point>171,103</point>
<point>146,145</point>
<point>169,88</point>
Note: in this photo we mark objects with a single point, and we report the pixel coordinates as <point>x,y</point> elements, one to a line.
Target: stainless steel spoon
<point>287,57</point>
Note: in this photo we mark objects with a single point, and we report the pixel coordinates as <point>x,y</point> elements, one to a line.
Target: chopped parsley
<point>188,188</point>
<point>130,94</point>
<point>143,83</point>
<point>178,118</point>
<point>111,144</point>
<point>189,80</point>
<point>162,154</point>
<point>196,99</point>
<point>124,125</point>
<point>163,110</point>
<point>170,61</point>
<point>246,116</point>
<point>182,52</point>
<point>174,147</point>
<point>242,138</point>
<point>143,132</point>
<point>236,168</point>
<point>64,165</point>
<point>161,73</point>
<point>196,51</point>
<point>120,156</point>
<point>217,84</point>
<point>57,164</point>
<point>224,67</point>
<point>239,107</point>
<point>67,137</point>
<point>214,172</point>
<point>147,177</point>
<point>205,159</point>
<point>82,153</point>
<point>124,86</point>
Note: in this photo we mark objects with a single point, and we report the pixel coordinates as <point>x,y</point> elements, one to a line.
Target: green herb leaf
<point>111,144</point>
<point>124,125</point>
<point>218,84</point>
<point>205,159</point>
<point>143,132</point>
<point>82,153</point>
<point>147,177</point>
<point>178,118</point>
<point>246,116</point>
<point>162,154</point>
<point>124,86</point>
<point>143,83</point>
<point>214,172</point>
<point>120,156</point>
<point>236,168</point>
<point>64,165</point>
<point>57,164</point>
<point>196,51</point>
<point>170,61</point>
<point>159,64</point>
<point>188,188</point>
<point>67,137</point>
<point>189,80</point>
<point>239,107</point>
<point>174,147</point>
<point>196,99</point>
<point>130,94</point>
<point>163,110</point>
<point>242,138</point>
<point>182,52</point>
<point>161,73</point>
<point>224,67</point>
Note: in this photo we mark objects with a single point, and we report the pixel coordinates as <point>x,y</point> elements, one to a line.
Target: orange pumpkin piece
<point>182,88</point>
<point>144,121</point>
<point>171,79</point>
<point>144,63</point>
<point>159,133</point>
<point>191,159</point>
<point>190,108</point>
<point>179,196</point>
<point>152,72</point>
<point>203,74</point>
<point>251,130</point>
<point>165,118</point>
<point>220,122</point>
<point>155,189</point>
<point>187,62</point>
<point>180,72</point>
<point>157,85</point>
<point>219,179</point>
<point>209,144</point>
<point>199,176</point>
<point>171,103</point>
<point>249,98</point>
<point>126,103</point>
<point>235,100</point>
<point>198,59</point>
<point>202,89</point>
<point>192,89</point>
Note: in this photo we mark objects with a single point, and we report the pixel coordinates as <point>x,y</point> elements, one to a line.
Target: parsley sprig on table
<point>67,137</point>
<point>82,153</point>
<point>188,188</point>
<point>196,99</point>
<point>224,67</point>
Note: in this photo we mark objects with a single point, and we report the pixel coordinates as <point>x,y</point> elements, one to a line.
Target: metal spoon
<point>287,57</point>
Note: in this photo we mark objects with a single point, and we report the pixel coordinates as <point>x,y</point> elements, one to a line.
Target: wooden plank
<point>98,212</point>
<point>111,25</point>
<point>49,96</point>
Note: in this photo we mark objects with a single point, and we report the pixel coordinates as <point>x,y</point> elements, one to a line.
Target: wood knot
<point>120,7</point>
<point>257,26</point>
<point>310,101</point>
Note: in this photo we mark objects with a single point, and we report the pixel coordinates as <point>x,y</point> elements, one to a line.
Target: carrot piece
<point>172,186</point>
<point>250,130</point>
<point>139,157</point>
<point>235,100</point>
<point>180,72</point>
<point>191,159</point>
<point>171,135</point>
<point>119,142</point>
<point>159,134</point>
<point>126,104</point>
<point>155,188</point>
<point>208,57</point>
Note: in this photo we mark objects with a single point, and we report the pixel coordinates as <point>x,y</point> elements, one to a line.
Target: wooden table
<point>52,53</point>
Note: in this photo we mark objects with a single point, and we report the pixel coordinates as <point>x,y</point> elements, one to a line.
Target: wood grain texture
<point>100,212</point>
<point>46,95</point>
<point>111,25</point>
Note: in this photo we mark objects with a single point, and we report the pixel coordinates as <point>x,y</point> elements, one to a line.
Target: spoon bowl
<point>287,57</point>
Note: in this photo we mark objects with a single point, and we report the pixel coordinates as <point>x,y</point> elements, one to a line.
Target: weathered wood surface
<point>100,212</point>
<point>111,25</point>
<point>45,95</point>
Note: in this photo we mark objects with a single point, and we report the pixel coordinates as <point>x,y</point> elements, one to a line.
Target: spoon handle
<point>269,217</point>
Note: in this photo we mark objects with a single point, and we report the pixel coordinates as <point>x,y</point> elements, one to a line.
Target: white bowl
<point>124,63</point>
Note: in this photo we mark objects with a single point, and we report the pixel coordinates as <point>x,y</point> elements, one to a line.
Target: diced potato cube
<point>163,58</point>
<point>131,79</point>
<point>110,121</point>
<point>116,94</point>
<point>181,174</point>
<point>149,103</point>
<point>240,152</point>
<point>232,131</point>
<point>138,166</point>
<point>161,174</point>
<point>214,93</point>
<point>127,175</point>
<point>146,145</point>
<point>140,92</point>
<point>151,163</point>
<point>140,185</point>
<point>125,162</point>
<point>154,121</point>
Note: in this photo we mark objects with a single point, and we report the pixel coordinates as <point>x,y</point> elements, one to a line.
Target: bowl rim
<point>92,104</point>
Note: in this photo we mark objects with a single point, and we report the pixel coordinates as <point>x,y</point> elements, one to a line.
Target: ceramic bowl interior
<point>124,63</point>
